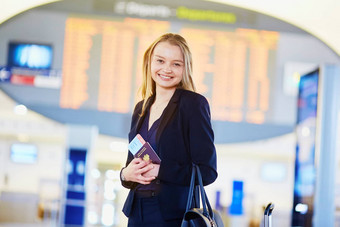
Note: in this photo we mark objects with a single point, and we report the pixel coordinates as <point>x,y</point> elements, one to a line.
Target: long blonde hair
<point>148,87</point>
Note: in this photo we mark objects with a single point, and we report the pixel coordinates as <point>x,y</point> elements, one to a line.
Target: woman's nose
<point>168,69</point>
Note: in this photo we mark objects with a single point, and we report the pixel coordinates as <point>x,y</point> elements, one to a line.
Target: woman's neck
<point>164,95</point>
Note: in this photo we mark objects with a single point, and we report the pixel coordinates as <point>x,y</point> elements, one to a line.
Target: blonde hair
<point>148,87</point>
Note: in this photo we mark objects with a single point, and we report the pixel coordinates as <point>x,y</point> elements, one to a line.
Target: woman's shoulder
<point>138,106</point>
<point>193,103</point>
<point>139,103</point>
<point>192,98</point>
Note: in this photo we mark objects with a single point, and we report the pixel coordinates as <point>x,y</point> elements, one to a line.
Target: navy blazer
<point>184,136</point>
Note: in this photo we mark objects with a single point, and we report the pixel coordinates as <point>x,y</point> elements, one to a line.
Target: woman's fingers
<point>135,170</point>
<point>145,168</point>
<point>153,171</point>
<point>144,180</point>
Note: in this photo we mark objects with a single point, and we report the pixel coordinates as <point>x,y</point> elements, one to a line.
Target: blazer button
<point>158,181</point>
<point>153,194</point>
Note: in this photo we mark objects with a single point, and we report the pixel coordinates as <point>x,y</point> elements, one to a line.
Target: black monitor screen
<point>30,55</point>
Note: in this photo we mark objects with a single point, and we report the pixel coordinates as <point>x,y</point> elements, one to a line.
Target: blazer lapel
<point>168,113</point>
<point>147,107</point>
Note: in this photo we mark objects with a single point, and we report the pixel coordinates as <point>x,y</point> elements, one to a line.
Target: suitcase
<point>267,219</point>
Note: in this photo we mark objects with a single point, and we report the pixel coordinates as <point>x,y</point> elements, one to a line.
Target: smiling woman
<point>157,190</point>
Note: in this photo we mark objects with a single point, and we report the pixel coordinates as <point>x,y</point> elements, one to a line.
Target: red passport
<point>146,152</point>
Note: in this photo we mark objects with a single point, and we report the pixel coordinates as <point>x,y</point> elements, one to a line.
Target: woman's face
<point>167,65</point>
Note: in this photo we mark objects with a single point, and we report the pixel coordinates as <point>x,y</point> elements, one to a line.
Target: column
<point>327,135</point>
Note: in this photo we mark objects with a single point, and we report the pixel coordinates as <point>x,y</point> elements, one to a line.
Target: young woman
<point>176,122</point>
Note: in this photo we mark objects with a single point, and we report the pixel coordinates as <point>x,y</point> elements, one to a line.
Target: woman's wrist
<point>122,177</point>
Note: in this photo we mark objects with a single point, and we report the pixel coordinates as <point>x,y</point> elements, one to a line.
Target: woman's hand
<point>136,169</point>
<point>152,172</point>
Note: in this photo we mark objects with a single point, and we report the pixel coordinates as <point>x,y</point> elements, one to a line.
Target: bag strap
<point>205,201</point>
<point>191,189</point>
<point>207,210</point>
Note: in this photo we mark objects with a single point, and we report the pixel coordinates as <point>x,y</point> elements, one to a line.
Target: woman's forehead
<point>168,50</point>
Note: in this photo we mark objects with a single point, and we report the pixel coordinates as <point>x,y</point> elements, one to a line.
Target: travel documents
<point>142,149</point>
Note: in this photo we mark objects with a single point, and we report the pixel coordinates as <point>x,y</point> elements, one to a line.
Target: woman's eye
<point>160,60</point>
<point>177,64</point>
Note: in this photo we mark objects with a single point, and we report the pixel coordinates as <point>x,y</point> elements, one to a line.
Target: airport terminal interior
<point>69,78</point>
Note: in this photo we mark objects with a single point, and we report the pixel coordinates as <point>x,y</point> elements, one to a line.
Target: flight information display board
<point>97,71</point>
<point>102,63</point>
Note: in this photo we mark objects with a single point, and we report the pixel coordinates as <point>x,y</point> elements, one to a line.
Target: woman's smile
<point>164,77</point>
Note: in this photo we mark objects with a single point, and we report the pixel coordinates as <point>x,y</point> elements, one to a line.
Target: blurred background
<point>69,77</point>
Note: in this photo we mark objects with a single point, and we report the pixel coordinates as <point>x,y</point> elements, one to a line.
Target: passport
<point>142,149</point>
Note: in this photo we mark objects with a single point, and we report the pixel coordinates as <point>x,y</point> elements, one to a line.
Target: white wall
<point>49,138</point>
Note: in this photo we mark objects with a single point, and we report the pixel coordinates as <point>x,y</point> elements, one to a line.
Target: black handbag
<point>195,216</point>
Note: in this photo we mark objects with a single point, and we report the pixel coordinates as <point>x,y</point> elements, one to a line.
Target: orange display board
<point>231,67</point>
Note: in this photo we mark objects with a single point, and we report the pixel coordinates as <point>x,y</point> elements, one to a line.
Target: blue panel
<point>77,160</point>
<point>74,215</point>
<point>236,207</point>
<point>75,195</point>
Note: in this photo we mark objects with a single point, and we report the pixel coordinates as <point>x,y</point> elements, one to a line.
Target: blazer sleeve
<point>188,139</point>
<point>201,140</point>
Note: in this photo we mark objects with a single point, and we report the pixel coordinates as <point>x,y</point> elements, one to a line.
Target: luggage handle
<point>269,209</point>
<point>267,215</point>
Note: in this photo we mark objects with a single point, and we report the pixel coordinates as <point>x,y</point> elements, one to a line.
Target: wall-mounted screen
<point>305,169</point>
<point>30,55</point>
<point>24,153</point>
<point>273,172</point>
